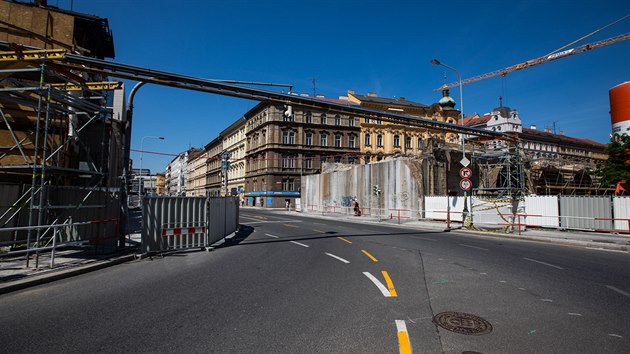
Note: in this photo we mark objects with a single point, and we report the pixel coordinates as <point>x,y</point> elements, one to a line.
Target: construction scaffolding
<point>60,174</point>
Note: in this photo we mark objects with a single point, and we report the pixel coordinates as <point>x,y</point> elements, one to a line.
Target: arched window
<point>396,140</point>
<point>323,118</point>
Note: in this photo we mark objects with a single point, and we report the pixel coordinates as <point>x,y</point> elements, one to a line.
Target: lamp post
<point>141,184</point>
<point>461,115</point>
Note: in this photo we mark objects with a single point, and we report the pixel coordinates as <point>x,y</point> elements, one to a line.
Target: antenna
<point>314,81</point>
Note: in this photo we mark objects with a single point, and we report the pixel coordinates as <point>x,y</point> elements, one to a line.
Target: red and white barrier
<point>183,231</point>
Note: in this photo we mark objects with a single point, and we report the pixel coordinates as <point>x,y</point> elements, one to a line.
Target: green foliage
<point>615,168</point>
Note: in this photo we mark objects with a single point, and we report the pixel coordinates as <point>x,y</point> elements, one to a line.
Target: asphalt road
<point>290,284</point>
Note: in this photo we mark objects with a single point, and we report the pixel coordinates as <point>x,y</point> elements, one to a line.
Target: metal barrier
<point>177,223</point>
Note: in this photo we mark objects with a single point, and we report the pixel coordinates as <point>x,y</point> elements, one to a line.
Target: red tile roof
<point>475,120</point>
<point>561,138</point>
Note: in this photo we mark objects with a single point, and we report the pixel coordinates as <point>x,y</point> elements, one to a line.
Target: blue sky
<point>367,46</point>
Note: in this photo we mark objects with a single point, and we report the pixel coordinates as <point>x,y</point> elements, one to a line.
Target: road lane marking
<point>615,335</point>
<point>546,300</point>
<point>319,223</point>
<point>378,284</point>
<point>404,344</point>
<point>345,240</point>
<point>300,244</point>
<point>390,284</point>
<point>618,290</point>
<point>475,247</point>
<point>271,222</point>
<point>543,263</point>
<point>575,314</point>
<point>336,257</point>
<point>321,232</point>
<point>270,235</point>
<point>289,225</point>
<point>369,255</point>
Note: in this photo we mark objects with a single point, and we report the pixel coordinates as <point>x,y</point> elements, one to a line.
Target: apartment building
<point>197,169</point>
<point>234,139</point>
<point>283,143</point>
<point>214,175</point>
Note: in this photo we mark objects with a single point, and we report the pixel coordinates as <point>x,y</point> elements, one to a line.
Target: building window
<point>379,121</point>
<point>288,161</point>
<point>288,137</point>
<point>379,140</point>
<point>309,117</point>
<point>351,141</point>
<point>288,184</point>
<point>367,120</point>
<point>396,140</point>
<point>309,139</point>
<point>408,142</point>
<point>351,160</point>
<point>351,121</point>
<point>368,139</point>
<point>323,118</point>
<point>338,140</point>
<point>308,163</point>
<point>323,139</point>
<point>338,159</point>
<point>420,143</point>
<point>337,119</point>
<point>322,159</point>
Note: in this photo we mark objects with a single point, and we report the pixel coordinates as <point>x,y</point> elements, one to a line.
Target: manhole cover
<point>462,323</point>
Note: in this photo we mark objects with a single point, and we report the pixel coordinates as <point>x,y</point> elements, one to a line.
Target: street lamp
<point>141,184</point>
<point>461,115</point>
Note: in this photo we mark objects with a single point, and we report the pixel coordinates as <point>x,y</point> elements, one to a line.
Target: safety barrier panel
<point>621,208</point>
<point>586,212</point>
<point>175,223</point>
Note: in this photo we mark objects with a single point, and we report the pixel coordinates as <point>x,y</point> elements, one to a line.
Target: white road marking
<point>378,284</point>
<point>615,335</point>
<point>248,217</point>
<point>336,257</point>
<point>469,246</point>
<point>543,263</point>
<point>521,289</point>
<point>271,222</point>
<point>575,314</point>
<point>318,223</point>
<point>546,300</point>
<point>270,235</point>
<point>300,244</point>
<point>605,250</point>
<point>618,290</point>
<point>483,273</point>
<point>502,281</point>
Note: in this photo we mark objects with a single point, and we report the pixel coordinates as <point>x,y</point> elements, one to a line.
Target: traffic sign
<point>465,184</point>
<point>465,172</point>
<point>464,161</point>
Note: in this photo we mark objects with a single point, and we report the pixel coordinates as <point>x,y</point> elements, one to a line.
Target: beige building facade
<point>234,144</point>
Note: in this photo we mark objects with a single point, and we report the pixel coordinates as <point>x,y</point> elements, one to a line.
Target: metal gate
<point>174,223</point>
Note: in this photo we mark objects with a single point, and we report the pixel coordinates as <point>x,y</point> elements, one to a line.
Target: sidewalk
<point>70,261</point>
<point>14,275</point>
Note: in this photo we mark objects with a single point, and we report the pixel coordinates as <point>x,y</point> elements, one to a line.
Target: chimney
<point>372,94</point>
<point>533,126</point>
<point>401,98</point>
<point>547,130</point>
<point>562,132</point>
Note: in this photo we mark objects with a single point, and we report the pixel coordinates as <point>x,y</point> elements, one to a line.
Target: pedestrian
<point>355,207</point>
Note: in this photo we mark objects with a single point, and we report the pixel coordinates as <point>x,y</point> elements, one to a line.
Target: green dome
<point>447,102</point>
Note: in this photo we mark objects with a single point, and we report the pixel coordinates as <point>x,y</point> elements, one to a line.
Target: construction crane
<point>544,59</point>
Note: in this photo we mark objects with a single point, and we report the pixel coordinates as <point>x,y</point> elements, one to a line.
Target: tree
<point>617,167</point>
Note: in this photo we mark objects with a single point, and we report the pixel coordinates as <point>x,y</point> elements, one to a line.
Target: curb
<point>62,274</point>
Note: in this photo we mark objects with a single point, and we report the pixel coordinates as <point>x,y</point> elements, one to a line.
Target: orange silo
<point>620,109</point>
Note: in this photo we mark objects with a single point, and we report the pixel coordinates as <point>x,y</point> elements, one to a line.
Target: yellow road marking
<point>390,284</point>
<point>344,240</point>
<point>369,255</point>
<point>403,342</point>
<point>288,225</point>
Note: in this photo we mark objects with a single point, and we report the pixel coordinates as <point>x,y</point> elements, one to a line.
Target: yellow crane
<point>541,60</point>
